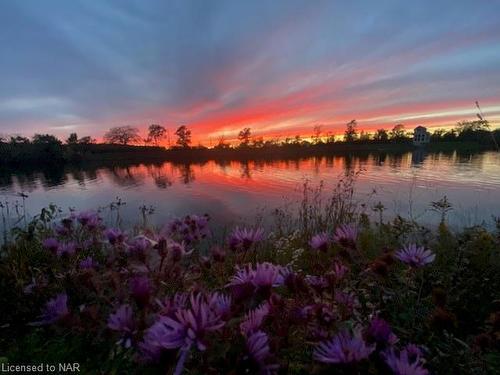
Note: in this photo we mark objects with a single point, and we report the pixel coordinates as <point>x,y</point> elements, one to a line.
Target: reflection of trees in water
<point>418,156</point>
<point>157,173</point>
<point>245,170</point>
<point>127,176</point>
<point>187,173</point>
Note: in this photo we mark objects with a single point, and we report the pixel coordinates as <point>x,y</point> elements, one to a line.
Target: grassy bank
<point>323,289</point>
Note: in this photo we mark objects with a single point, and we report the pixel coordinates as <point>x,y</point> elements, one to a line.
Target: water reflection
<point>238,187</point>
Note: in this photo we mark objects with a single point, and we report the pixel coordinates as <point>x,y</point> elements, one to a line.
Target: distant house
<point>421,136</point>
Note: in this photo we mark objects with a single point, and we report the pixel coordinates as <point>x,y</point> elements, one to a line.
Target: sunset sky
<point>279,67</point>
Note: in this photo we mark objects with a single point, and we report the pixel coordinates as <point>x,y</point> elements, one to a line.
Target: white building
<point>421,136</point>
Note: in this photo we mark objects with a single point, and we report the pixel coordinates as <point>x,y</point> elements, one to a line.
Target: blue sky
<point>279,67</point>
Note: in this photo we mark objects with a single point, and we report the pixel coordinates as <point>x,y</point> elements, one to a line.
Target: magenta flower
<point>320,241</point>
<point>415,256</point>
<point>346,235</point>
<point>267,275</point>
<point>343,348</point>
<point>380,332</point>
<point>253,320</point>
<point>51,244</point>
<point>55,309</point>
<point>243,239</point>
<point>408,361</point>
<point>140,288</point>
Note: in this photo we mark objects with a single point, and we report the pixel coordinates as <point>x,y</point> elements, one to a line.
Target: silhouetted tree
<point>317,134</point>
<point>364,137</point>
<point>156,133</point>
<point>350,134</point>
<point>45,139</point>
<point>221,143</point>
<point>87,140</point>
<point>72,139</point>
<point>397,133</point>
<point>381,135</point>
<point>122,135</point>
<point>183,136</point>
<point>17,139</point>
<point>244,137</point>
<point>258,142</point>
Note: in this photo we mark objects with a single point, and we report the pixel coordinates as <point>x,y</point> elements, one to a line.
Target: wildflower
<point>258,348</point>
<point>55,309</point>
<point>320,241</point>
<point>380,332</point>
<point>243,239</point>
<point>121,320</point>
<point>51,244</point>
<point>254,319</point>
<point>261,279</point>
<point>343,348</point>
<point>176,250</point>
<point>415,256</point>
<point>115,236</point>
<point>89,219</point>
<point>221,304</point>
<point>218,254</point>
<point>173,303</point>
<point>406,362</point>
<point>67,249</point>
<point>139,246</point>
<point>140,288</point>
<point>346,236</point>
<point>188,327</point>
<point>339,270</point>
<point>88,263</point>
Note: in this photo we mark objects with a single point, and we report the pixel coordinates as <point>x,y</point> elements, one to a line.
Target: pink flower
<point>243,239</point>
<point>320,241</point>
<point>415,256</point>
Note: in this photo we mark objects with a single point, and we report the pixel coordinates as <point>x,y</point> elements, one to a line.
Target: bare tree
<point>183,136</point>
<point>156,133</point>
<point>122,135</point>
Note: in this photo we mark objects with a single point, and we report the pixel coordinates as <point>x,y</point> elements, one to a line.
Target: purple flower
<point>88,263</point>
<point>243,239</point>
<point>188,327</point>
<point>346,236</point>
<point>320,241</point>
<point>68,249</point>
<point>173,303</point>
<point>122,320</point>
<point>407,362</point>
<point>254,319</point>
<point>51,244</point>
<point>191,229</point>
<point>89,219</point>
<point>177,250</point>
<point>140,288</point>
<point>220,303</point>
<point>339,270</point>
<point>115,236</point>
<point>139,245</point>
<point>317,282</point>
<point>415,256</point>
<point>55,309</point>
<point>262,278</point>
<point>343,348</point>
<point>258,348</point>
<point>380,332</point>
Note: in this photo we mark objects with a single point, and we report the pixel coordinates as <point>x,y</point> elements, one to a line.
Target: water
<point>237,191</point>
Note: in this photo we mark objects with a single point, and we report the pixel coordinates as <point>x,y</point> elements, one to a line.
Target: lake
<point>234,191</point>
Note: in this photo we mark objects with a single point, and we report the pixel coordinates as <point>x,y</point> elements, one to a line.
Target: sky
<point>279,67</point>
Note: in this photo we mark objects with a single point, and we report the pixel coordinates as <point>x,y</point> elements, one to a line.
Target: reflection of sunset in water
<point>231,190</point>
